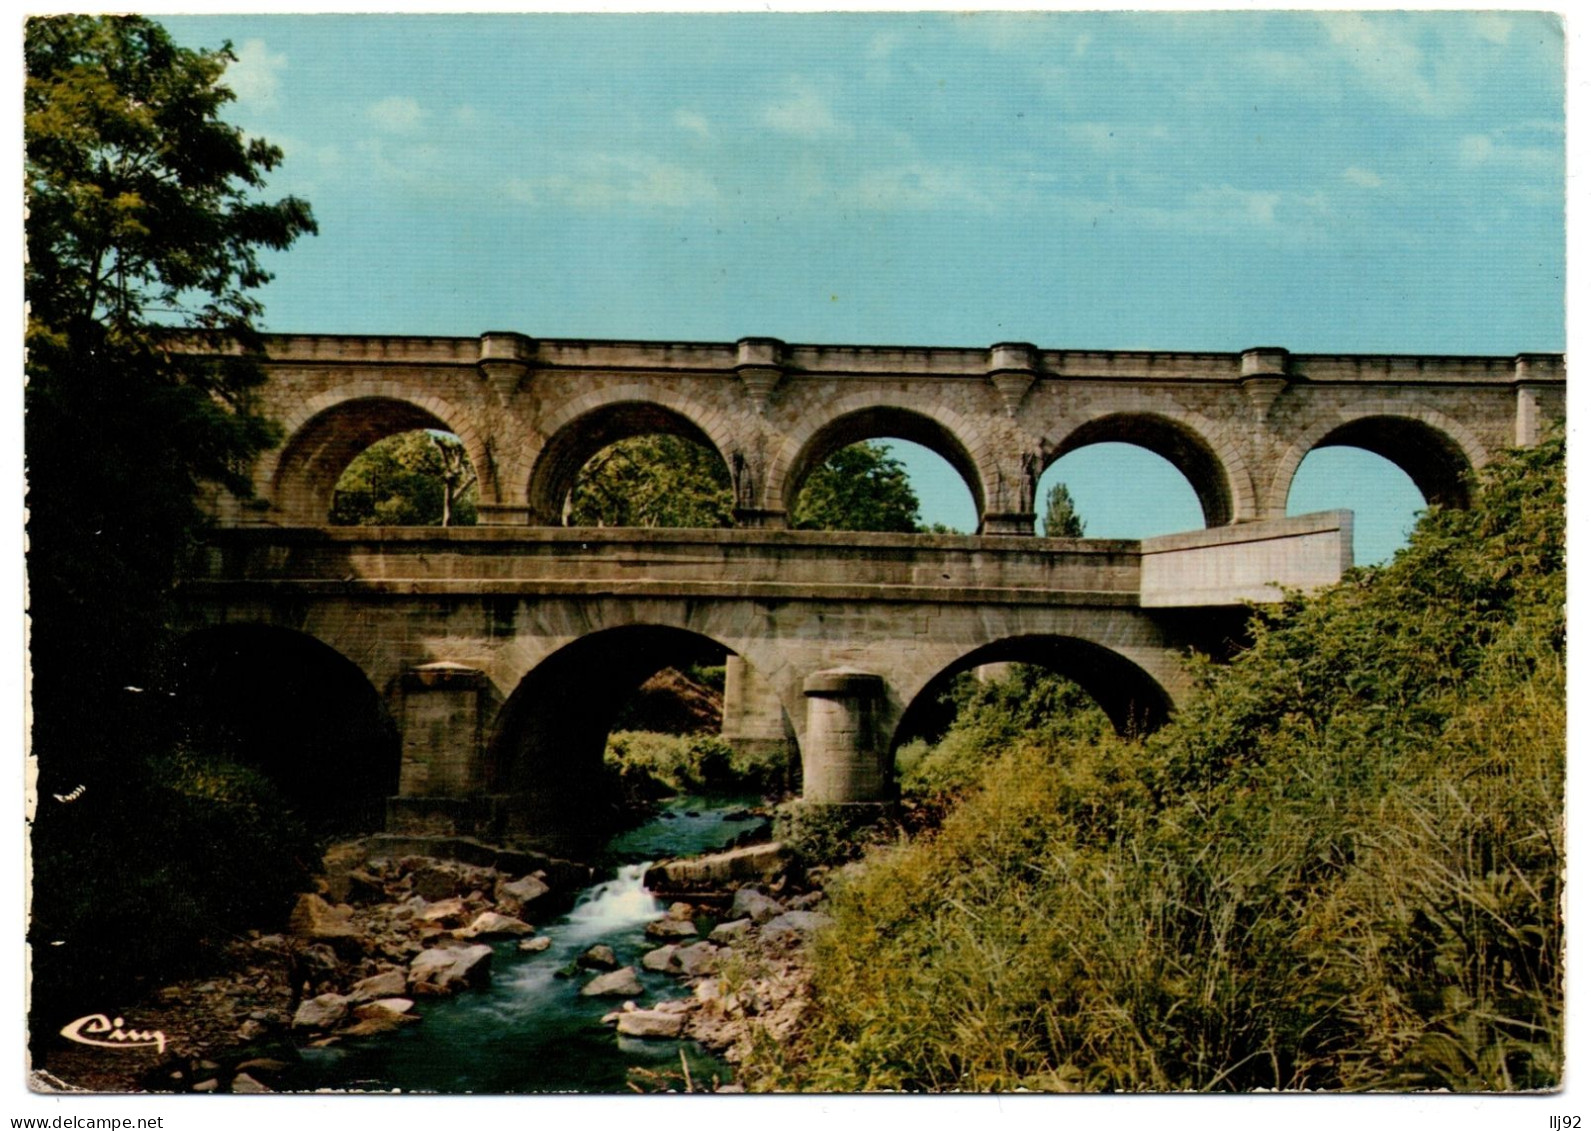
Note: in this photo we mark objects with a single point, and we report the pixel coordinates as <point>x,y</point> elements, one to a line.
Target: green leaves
<point>142,209</point>
<point>653,480</point>
<point>1339,867</point>
<point>860,487</point>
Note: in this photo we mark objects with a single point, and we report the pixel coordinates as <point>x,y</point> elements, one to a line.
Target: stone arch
<point>329,430</point>
<point>864,416</point>
<point>1433,450</point>
<point>1136,702</point>
<point>1207,457</point>
<point>296,709</point>
<point>587,424</point>
<point>544,747</point>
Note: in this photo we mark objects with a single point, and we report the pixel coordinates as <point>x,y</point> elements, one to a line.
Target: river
<point>531,1031</point>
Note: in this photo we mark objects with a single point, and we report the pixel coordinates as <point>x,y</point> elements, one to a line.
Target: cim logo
<point>100,1031</point>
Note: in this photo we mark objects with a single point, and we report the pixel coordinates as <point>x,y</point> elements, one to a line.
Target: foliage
<point>415,478</point>
<point>653,480</point>
<point>1061,519</point>
<point>1027,702</point>
<point>145,226</point>
<point>860,487</point>
<point>648,765</point>
<point>1339,867</point>
<point>151,893</point>
<point>831,834</point>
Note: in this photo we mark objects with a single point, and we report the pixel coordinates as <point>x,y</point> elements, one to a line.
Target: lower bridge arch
<point>543,760</point>
<point>1133,699</point>
<point>297,711</point>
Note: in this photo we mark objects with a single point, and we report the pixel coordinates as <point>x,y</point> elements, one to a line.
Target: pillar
<point>843,759</point>
<point>439,780</point>
<point>753,712</point>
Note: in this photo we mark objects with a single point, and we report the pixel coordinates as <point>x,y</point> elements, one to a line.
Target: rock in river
<point>443,970</point>
<point>620,983</point>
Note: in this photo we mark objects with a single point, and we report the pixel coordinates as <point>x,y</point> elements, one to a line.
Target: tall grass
<point>1339,867</point>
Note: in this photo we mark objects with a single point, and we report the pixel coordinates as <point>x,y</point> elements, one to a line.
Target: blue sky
<point>1328,182</point>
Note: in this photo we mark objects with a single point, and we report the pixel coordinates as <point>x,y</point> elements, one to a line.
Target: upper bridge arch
<point>852,419</point>
<point>588,424</point>
<point>327,432</point>
<point>1207,457</point>
<point>1438,453</point>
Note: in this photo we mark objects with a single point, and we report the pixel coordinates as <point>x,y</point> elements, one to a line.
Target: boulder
<point>388,983</point>
<point>323,1012</point>
<point>514,896</point>
<point>804,902</point>
<point>754,862</point>
<point>652,1023</point>
<point>437,880</point>
<point>661,959</point>
<point>697,959</point>
<point>245,1085</point>
<point>620,983</point>
<point>599,957</point>
<point>377,1023</point>
<point>489,923</point>
<point>755,905</point>
<point>535,945</point>
<point>449,912</point>
<point>667,928</point>
<point>444,970</point>
<point>792,925</point>
<point>398,1005</point>
<point>314,918</point>
<point>726,933</point>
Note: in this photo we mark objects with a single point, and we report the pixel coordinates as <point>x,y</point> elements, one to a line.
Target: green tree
<point>144,219</point>
<point>144,229</point>
<point>412,479</point>
<point>653,480</point>
<point>860,487</point>
<point>1061,519</point>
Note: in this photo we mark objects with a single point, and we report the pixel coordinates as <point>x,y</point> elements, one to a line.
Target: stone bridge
<point>502,651</point>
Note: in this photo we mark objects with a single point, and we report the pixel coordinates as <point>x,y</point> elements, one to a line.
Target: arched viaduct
<point>502,649</point>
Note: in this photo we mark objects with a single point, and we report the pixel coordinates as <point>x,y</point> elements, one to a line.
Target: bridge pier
<point>439,780</point>
<point>843,758</point>
<point>753,720</point>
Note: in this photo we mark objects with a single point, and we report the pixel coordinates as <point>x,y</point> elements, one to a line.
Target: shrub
<point>1339,867</point>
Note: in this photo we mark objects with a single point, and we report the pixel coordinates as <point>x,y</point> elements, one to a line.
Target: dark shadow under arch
<point>315,457</point>
<point>560,461</point>
<point>544,756</point>
<point>1433,460</point>
<point>1174,442</point>
<point>296,710</point>
<point>1135,703</point>
<point>879,423</point>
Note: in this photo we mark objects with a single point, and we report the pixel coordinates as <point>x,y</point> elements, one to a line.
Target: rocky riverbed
<point>391,930</point>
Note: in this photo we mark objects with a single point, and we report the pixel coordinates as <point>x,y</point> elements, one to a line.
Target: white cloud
<point>601,180</point>
<point>1110,137</point>
<point>1381,48</point>
<point>920,187</point>
<point>1491,149</point>
<point>805,113</point>
<point>1492,27</point>
<point>254,75</point>
<point>1364,178</point>
<point>694,122</point>
<point>398,114</point>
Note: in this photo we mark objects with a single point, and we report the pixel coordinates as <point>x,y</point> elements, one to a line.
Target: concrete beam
<point>1231,565</point>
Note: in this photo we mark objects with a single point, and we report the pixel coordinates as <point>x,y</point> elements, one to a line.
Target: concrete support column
<point>753,711</point>
<point>439,780</point>
<point>1538,396</point>
<point>843,757</point>
<point>441,730</point>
